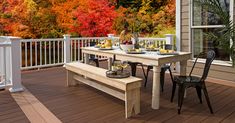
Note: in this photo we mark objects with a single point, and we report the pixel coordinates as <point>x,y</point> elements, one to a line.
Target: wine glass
<point>141,43</point>
<point>124,64</point>
<point>116,66</point>
<point>120,65</point>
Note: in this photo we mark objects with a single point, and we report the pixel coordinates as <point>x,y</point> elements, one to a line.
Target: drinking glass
<point>141,43</point>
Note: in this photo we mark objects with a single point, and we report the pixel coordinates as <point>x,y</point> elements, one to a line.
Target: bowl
<point>126,47</point>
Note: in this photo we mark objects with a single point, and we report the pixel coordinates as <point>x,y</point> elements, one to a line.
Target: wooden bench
<point>126,89</point>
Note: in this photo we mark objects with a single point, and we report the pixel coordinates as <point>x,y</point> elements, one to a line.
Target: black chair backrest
<point>209,58</point>
<point>168,47</point>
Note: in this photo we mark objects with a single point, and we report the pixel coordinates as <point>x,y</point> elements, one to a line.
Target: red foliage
<point>94,18</point>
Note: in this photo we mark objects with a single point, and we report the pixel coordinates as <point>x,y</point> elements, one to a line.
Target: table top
<point>147,58</point>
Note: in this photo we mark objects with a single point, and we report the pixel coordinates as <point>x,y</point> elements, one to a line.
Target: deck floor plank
<point>86,104</point>
<point>9,109</point>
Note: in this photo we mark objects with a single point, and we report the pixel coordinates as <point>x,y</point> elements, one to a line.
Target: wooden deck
<point>9,109</point>
<point>86,104</point>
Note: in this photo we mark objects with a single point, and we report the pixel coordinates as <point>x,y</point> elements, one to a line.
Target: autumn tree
<point>29,19</point>
<point>165,17</point>
<point>94,18</point>
<point>17,17</point>
<point>150,17</point>
<point>65,13</point>
<point>5,16</point>
<point>53,18</point>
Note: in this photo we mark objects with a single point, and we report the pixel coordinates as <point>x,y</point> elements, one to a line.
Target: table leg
<point>156,87</point>
<point>110,60</point>
<point>183,66</point>
<point>86,58</point>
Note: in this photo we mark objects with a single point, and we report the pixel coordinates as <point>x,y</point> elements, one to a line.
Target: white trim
<point>178,30</point>
<point>231,9</point>
<point>231,12</point>
<point>190,26</point>
<point>178,25</point>
<point>215,62</point>
<point>207,26</point>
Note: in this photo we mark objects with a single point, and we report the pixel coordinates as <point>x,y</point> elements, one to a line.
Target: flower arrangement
<point>125,38</point>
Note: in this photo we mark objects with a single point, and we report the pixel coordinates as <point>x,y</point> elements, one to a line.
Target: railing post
<point>15,65</point>
<point>67,43</point>
<point>169,39</point>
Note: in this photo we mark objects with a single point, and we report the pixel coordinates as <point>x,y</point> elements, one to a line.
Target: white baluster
<point>40,45</point>
<point>31,54</point>
<point>67,57</point>
<point>54,52</point>
<point>36,53</point>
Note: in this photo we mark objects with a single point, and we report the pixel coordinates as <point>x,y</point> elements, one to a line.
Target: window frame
<point>191,27</point>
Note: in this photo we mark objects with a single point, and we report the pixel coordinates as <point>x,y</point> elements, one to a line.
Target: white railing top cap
<point>5,39</point>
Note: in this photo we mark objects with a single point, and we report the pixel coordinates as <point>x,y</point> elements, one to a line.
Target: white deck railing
<point>38,53</point>
<point>10,71</point>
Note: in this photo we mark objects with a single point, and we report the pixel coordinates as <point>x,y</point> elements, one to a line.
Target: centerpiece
<point>125,41</point>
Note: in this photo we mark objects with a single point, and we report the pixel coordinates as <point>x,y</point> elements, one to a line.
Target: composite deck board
<point>217,105</point>
<point>9,110</point>
<point>86,104</point>
<point>195,108</point>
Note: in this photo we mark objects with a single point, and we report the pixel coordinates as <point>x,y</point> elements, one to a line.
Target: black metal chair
<point>192,81</point>
<point>92,58</point>
<point>164,68</point>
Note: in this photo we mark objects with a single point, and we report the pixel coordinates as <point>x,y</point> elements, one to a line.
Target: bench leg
<point>70,79</point>
<point>132,102</point>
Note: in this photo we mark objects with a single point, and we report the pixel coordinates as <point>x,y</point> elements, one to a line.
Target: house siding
<point>185,25</point>
<point>216,71</point>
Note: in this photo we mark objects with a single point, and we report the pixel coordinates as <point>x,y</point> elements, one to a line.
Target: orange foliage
<point>166,15</point>
<point>14,11</point>
<point>52,18</point>
<point>65,13</point>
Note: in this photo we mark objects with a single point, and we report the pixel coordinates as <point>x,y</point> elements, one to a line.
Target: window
<point>204,21</point>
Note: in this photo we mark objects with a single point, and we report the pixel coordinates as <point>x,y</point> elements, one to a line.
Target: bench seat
<point>126,89</point>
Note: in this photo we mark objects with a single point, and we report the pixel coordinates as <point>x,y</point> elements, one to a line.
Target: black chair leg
<point>96,62</point>
<point>147,73</point>
<point>162,78</point>
<point>181,97</point>
<point>171,75</point>
<point>199,93</point>
<point>145,76</point>
<point>207,99</point>
<point>133,68</point>
<point>173,91</point>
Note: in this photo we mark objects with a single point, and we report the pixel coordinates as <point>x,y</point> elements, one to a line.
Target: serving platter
<point>118,74</point>
<point>174,53</point>
<point>106,48</point>
<point>135,52</point>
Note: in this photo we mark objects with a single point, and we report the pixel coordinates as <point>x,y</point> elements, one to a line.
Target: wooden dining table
<point>148,58</point>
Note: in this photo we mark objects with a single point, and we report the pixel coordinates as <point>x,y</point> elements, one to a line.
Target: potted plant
<point>226,40</point>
